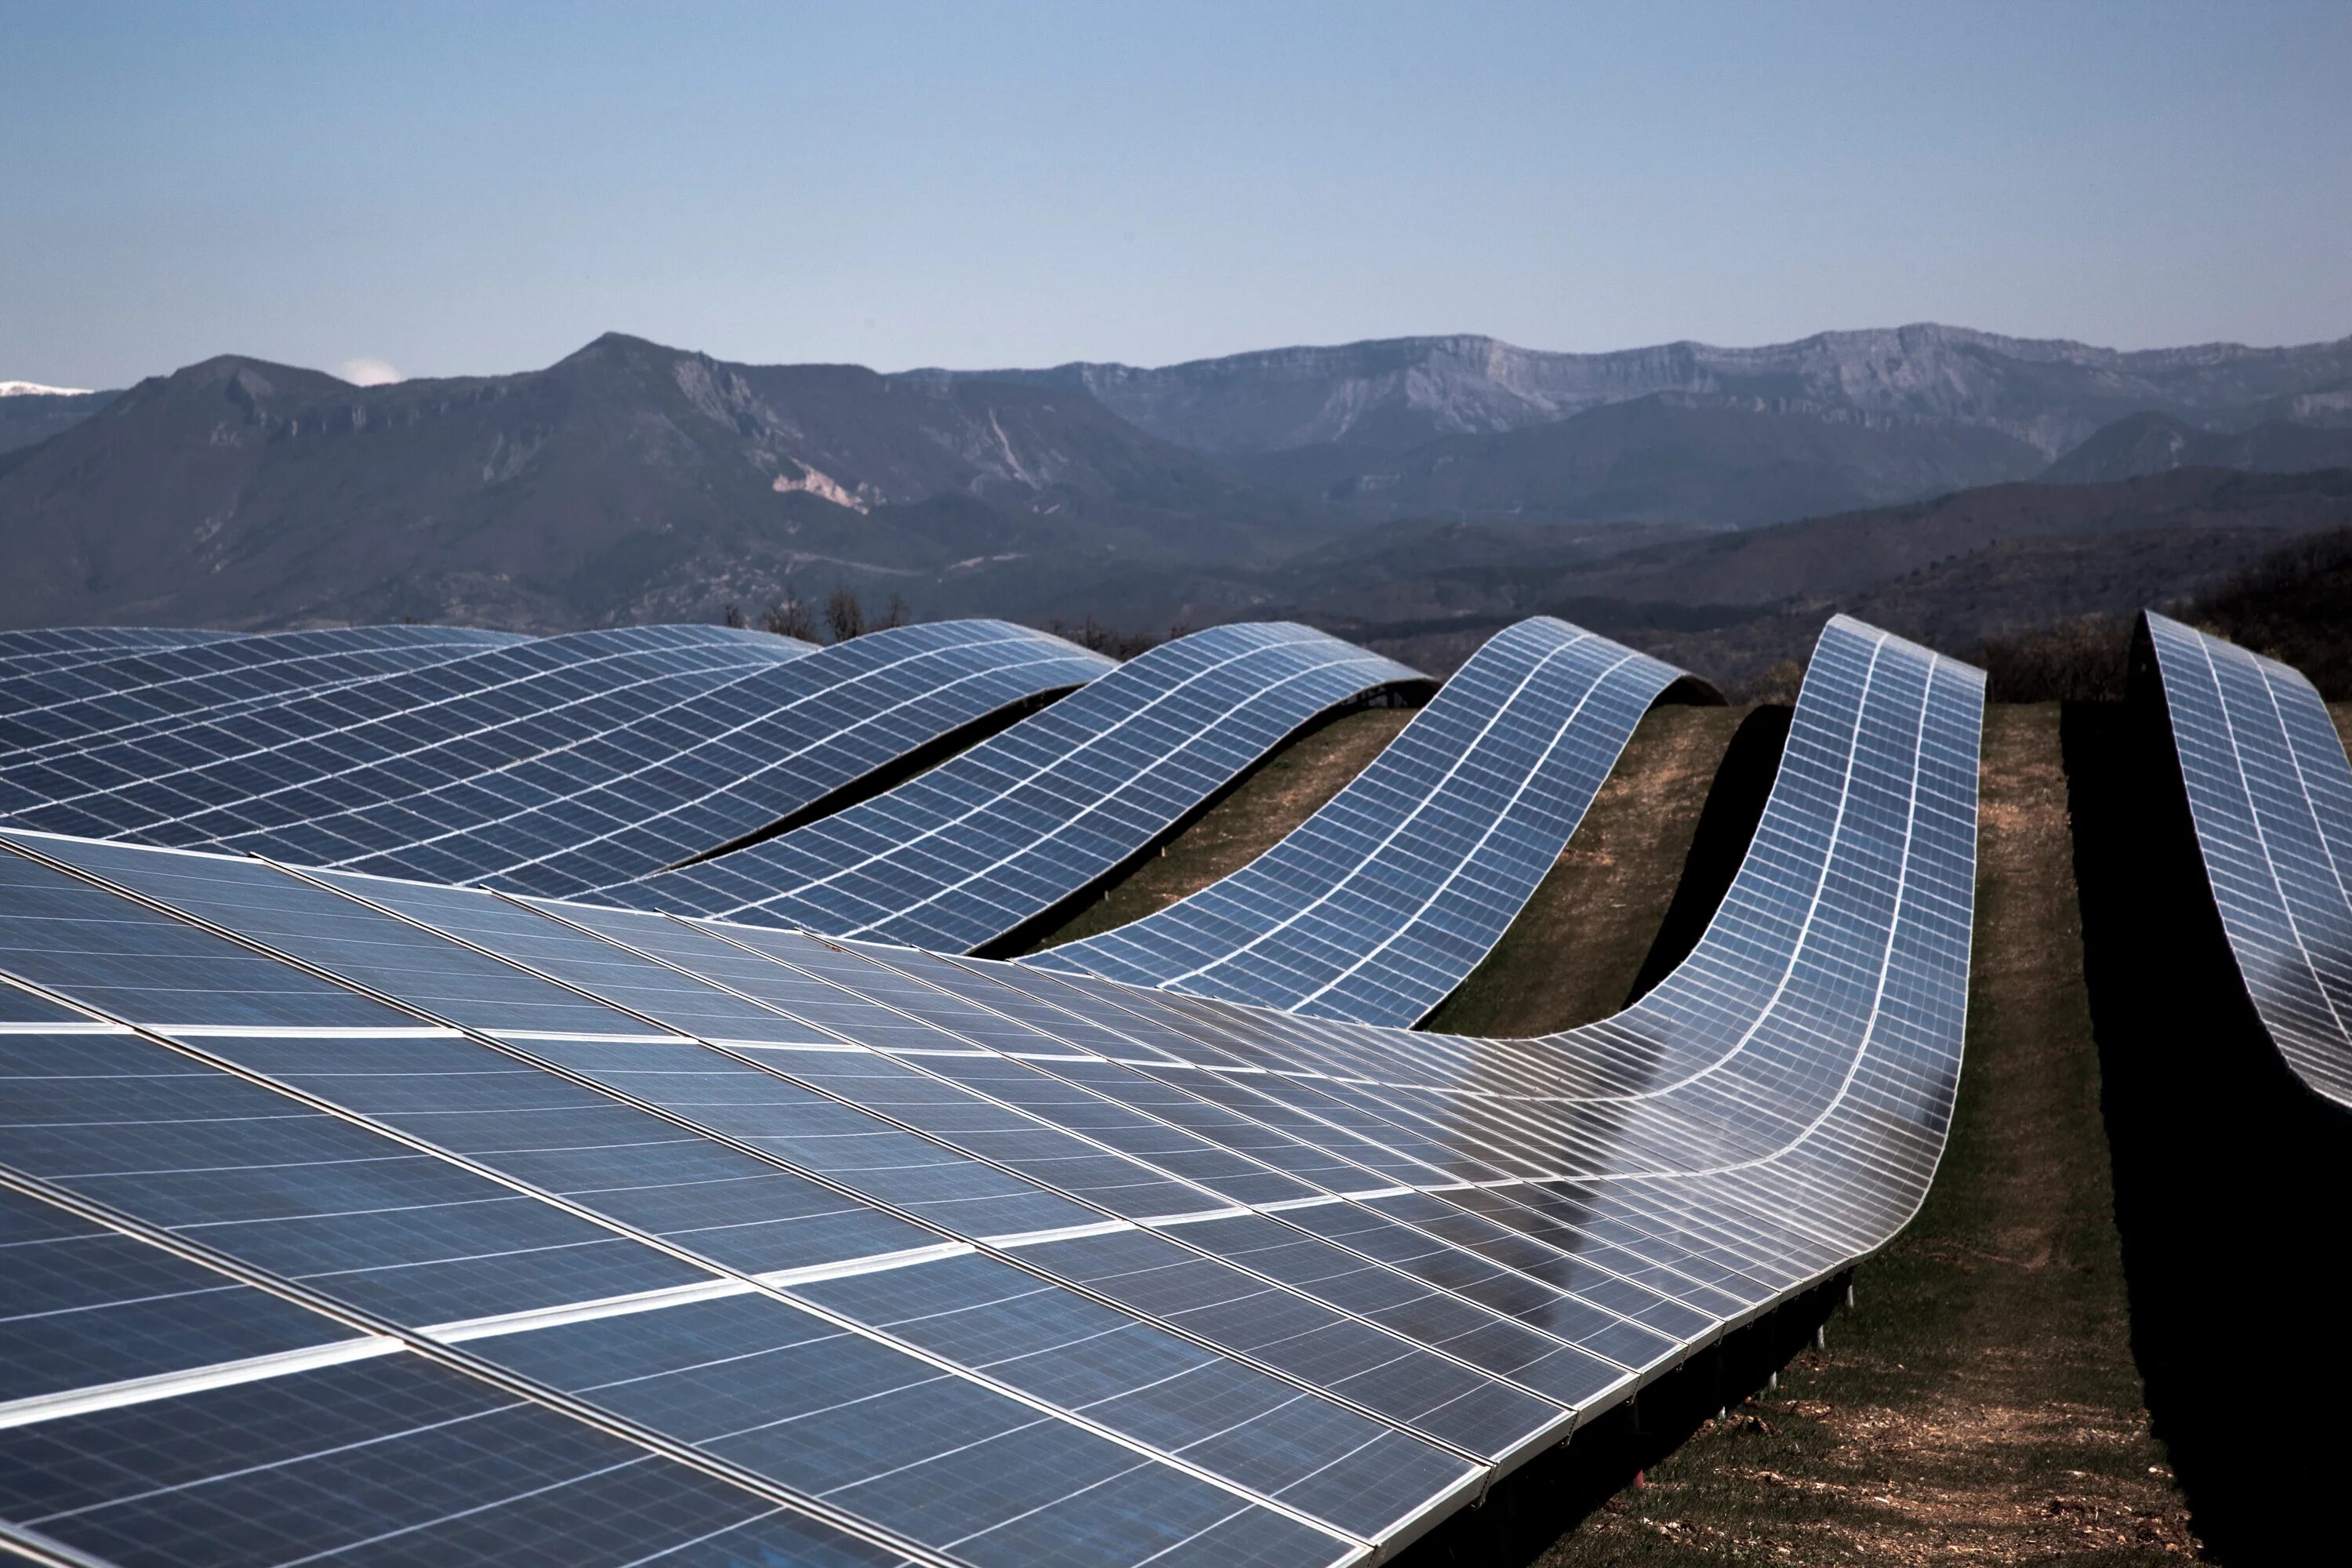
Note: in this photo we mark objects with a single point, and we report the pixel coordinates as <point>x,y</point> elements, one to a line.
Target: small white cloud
<point>368,372</point>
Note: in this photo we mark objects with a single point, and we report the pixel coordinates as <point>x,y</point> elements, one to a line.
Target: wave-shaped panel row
<point>1001,836</point>
<point>1380,904</point>
<point>2270,794</point>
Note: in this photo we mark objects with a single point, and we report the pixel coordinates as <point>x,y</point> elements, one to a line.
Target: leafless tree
<point>899,613</point>
<point>843,614</point>
<point>733,617</point>
<point>790,615</point>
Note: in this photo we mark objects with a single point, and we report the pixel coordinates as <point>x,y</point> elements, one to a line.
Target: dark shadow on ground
<point>2233,1183</point>
<point>1735,804</point>
<point>1525,1512</point>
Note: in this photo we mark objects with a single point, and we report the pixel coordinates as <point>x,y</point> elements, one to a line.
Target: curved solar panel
<point>2270,793</point>
<point>1001,835</point>
<point>66,710</point>
<point>263,764</point>
<point>1007,1266</point>
<point>610,792</point>
<point>1378,905</point>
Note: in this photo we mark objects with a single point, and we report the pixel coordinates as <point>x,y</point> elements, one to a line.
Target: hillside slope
<point>2150,443</point>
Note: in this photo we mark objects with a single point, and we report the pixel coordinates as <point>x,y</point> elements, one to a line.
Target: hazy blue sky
<point>473,188</point>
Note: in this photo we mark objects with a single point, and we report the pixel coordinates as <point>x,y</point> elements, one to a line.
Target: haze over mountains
<point>631,481</point>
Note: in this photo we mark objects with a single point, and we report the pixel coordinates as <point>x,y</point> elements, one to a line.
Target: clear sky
<point>484,187</point>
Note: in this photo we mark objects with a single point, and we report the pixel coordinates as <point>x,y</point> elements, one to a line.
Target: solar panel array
<point>607,792</point>
<point>559,767</point>
<point>1003,834</point>
<point>50,647</point>
<point>189,780</point>
<point>511,1226</point>
<point>1385,900</point>
<point>2270,793</point>
<point>61,709</point>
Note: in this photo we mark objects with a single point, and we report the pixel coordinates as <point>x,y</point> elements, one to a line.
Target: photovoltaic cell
<point>60,708</point>
<point>193,778</point>
<point>2270,793</point>
<point>616,789</point>
<point>1385,900</point>
<point>1003,833</point>
<point>557,1136</point>
<point>385,1459</point>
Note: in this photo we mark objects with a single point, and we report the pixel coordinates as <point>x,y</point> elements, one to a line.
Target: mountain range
<point>631,482</point>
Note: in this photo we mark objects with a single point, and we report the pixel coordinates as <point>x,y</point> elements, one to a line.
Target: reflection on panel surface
<point>2270,793</point>
<point>722,1227</point>
<point>1385,900</point>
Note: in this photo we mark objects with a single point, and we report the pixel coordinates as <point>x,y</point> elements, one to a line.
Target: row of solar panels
<point>2269,798</point>
<point>589,764</point>
<point>359,1216</point>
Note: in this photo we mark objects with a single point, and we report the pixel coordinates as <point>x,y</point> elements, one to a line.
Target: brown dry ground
<point>1979,1403</point>
<point>1272,801</point>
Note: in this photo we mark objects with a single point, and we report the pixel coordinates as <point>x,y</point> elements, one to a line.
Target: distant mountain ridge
<point>631,482</point>
<point>626,481</point>
<point>1402,392</point>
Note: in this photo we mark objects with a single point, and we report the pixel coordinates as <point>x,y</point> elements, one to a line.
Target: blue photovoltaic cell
<point>1384,900</point>
<point>1022,1266</point>
<point>559,1137</point>
<point>85,1305</point>
<point>61,647</point>
<point>384,1458</point>
<point>611,790</point>
<point>1001,834</point>
<point>2270,793</point>
<point>203,778</point>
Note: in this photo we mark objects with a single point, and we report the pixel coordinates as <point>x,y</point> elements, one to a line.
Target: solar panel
<point>1033,1403</point>
<point>202,778</point>
<point>1003,834</point>
<point>66,710</point>
<point>618,790</point>
<point>1007,1265</point>
<point>1385,900</point>
<point>2270,793</point>
<point>53,647</point>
